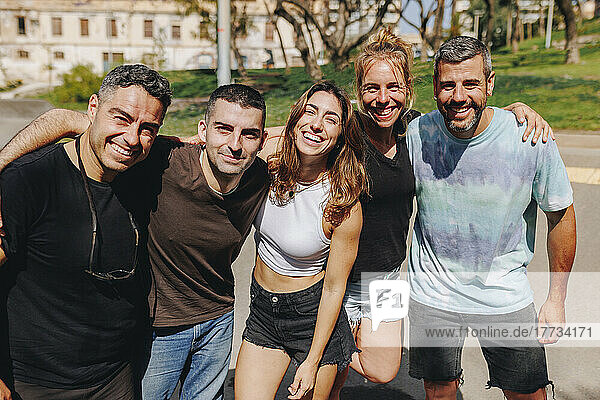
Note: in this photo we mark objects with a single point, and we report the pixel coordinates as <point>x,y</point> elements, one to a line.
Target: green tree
<point>78,85</point>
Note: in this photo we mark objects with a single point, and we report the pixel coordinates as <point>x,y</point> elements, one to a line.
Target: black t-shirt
<point>388,206</point>
<point>66,328</point>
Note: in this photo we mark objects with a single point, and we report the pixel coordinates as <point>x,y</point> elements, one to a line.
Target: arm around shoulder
<point>49,127</point>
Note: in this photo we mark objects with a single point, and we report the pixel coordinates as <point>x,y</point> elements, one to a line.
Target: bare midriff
<point>271,281</point>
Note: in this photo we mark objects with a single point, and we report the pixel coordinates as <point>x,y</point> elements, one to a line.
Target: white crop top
<point>290,238</point>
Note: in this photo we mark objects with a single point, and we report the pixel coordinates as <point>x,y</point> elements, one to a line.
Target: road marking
<point>590,176</point>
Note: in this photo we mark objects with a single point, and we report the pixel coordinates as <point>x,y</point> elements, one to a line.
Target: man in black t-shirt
<point>71,288</point>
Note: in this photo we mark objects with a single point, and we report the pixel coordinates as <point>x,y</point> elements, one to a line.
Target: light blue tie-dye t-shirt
<point>477,204</point>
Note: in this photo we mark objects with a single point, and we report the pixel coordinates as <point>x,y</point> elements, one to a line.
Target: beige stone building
<point>41,39</point>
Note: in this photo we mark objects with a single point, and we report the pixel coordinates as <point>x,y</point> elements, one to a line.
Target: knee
<point>384,374</point>
<point>440,389</point>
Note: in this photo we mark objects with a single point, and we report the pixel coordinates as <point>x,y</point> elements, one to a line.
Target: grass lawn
<point>568,96</point>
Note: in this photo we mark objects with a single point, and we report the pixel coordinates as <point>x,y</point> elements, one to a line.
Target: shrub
<point>78,85</point>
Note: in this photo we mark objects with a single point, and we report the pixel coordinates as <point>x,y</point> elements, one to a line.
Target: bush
<point>78,85</point>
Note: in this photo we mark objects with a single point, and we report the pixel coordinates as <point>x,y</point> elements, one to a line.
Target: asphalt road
<point>574,370</point>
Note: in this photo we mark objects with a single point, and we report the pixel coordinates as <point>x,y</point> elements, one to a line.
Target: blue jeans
<point>198,356</point>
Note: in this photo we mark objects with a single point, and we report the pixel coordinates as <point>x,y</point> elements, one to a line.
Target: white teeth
<point>312,137</point>
<point>120,150</point>
<point>384,112</point>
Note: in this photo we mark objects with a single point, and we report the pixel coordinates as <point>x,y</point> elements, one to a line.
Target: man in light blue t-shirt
<point>478,189</point>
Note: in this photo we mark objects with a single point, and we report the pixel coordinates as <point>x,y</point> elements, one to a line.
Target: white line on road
<point>590,176</point>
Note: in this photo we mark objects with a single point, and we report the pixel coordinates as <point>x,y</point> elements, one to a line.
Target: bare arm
<point>561,242</point>
<point>342,253</point>
<point>535,122</point>
<point>4,392</point>
<point>47,128</point>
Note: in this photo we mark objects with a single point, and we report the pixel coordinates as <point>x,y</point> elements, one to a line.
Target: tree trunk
<point>423,32</point>
<point>273,21</point>
<point>454,21</point>
<point>310,64</point>
<point>566,9</point>
<point>542,18</point>
<point>437,25</point>
<point>597,9</point>
<point>341,60</point>
<point>285,59</point>
<point>509,24</point>
<point>238,58</point>
<point>489,32</point>
<point>514,37</point>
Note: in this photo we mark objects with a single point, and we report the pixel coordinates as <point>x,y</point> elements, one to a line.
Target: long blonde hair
<point>385,46</point>
<point>346,172</point>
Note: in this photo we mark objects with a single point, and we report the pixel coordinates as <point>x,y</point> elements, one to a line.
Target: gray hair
<point>242,95</point>
<point>139,75</point>
<point>461,48</point>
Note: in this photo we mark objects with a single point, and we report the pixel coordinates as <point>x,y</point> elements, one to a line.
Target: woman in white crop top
<point>307,236</point>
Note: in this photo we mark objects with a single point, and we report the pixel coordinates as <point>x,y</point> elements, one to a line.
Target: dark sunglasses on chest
<point>111,275</point>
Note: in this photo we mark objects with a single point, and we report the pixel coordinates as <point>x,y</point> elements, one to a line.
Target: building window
<point>22,54</point>
<point>110,60</point>
<point>269,29</point>
<point>59,55</point>
<point>148,28</point>
<point>175,32</point>
<point>21,26</point>
<point>84,27</point>
<point>56,26</point>
<point>111,28</point>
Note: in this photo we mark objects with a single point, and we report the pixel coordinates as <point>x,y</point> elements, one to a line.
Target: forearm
<point>561,243</point>
<point>329,309</point>
<point>342,254</point>
<point>47,128</point>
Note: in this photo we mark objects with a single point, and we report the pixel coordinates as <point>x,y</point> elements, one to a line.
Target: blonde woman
<point>307,237</point>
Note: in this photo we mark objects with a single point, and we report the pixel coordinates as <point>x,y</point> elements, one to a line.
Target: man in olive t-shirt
<point>204,202</point>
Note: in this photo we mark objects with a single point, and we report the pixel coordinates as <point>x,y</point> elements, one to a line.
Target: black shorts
<point>287,321</point>
<point>515,365</point>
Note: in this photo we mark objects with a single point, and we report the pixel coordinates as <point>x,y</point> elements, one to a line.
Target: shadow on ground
<point>403,387</point>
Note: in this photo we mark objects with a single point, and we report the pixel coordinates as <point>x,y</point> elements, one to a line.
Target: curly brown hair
<point>345,169</point>
<point>385,46</point>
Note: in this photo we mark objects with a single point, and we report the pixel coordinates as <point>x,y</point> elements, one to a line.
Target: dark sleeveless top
<point>388,206</point>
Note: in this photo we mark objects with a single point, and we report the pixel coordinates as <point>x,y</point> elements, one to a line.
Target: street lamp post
<point>223,42</point>
<point>549,24</point>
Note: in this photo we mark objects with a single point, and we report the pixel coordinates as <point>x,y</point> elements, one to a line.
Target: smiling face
<point>461,90</point>
<point>124,126</point>
<point>233,136</point>
<point>319,126</point>
<point>383,93</point>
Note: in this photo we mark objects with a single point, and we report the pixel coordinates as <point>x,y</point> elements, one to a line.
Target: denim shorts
<point>356,300</point>
<point>519,368</point>
<point>287,321</point>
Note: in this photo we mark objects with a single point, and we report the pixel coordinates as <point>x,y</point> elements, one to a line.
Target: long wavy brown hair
<point>346,172</point>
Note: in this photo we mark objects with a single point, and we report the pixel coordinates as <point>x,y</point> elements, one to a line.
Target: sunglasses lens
<point>120,274</point>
